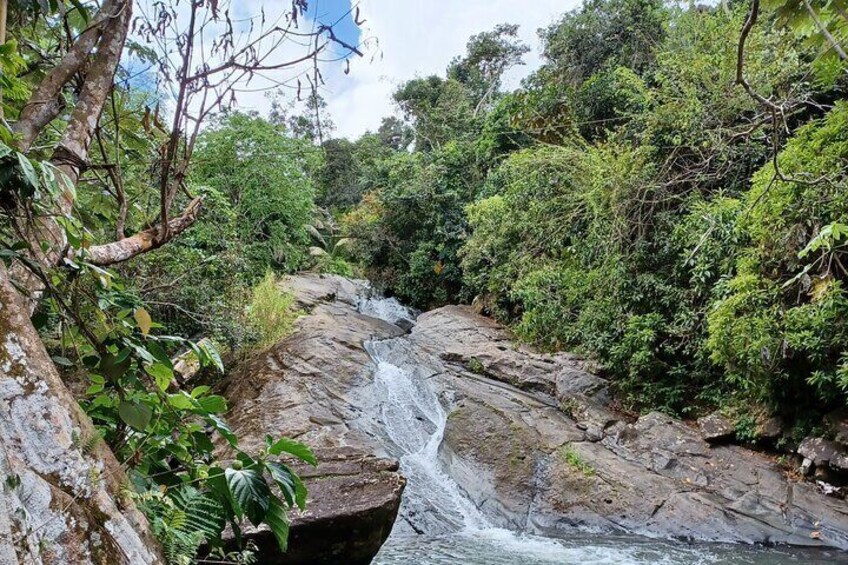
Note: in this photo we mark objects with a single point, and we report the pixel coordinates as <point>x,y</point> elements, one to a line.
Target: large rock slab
<point>300,388</point>
<point>352,504</point>
<point>530,440</point>
<point>530,437</point>
<point>458,336</point>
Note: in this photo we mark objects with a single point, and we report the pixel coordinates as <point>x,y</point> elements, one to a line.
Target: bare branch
<point>750,21</point>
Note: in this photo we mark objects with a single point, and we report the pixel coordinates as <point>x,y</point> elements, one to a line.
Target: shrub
<point>270,313</point>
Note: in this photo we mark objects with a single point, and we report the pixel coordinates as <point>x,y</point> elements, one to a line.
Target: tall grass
<point>270,312</point>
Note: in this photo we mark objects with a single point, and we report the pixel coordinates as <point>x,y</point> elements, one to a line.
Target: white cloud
<point>419,38</point>
<point>415,38</point>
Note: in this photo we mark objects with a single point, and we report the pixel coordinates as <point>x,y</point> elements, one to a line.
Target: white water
<point>386,309</point>
<point>439,525</point>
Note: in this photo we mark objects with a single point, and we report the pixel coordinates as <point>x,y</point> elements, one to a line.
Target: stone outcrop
<point>820,453</point>
<point>301,388</point>
<point>715,428</point>
<point>533,443</point>
<point>531,438</point>
<point>353,502</point>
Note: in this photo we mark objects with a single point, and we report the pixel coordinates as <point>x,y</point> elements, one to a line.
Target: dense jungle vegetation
<point>667,195</point>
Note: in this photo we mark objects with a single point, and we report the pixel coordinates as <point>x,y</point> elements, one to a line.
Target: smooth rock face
<point>300,388</point>
<point>530,440</point>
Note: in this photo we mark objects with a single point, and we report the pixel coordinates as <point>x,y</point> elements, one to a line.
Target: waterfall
<point>414,422</point>
<point>437,523</point>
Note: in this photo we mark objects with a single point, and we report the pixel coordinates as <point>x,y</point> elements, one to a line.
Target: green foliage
<point>441,109</point>
<point>609,100</point>
<point>164,434</point>
<point>181,520</point>
<point>828,15</point>
<point>110,341</point>
<point>489,55</point>
<point>270,313</point>
<point>11,64</point>
<point>410,230</point>
<point>258,204</point>
<point>602,32</point>
<point>263,176</point>
<point>573,459</point>
<point>777,328</point>
<point>622,204</point>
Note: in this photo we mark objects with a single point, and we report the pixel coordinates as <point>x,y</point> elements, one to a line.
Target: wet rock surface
<point>530,438</point>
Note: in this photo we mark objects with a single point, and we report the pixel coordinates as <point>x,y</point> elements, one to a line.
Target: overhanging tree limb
<point>46,101</point>
<point>142,242</point>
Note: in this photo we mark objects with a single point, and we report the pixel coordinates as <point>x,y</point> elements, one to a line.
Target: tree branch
<point>740,59</point>
<point>825,32</point>
<point>71,153</point>
<point>142,242</point>
<point>46,102</point>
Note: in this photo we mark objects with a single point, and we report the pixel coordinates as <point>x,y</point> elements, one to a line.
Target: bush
<point>778,328</point>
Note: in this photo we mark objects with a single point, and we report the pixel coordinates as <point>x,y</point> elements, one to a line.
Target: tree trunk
<point>61,498</point>
<point>46,101</point>
<point>45,236</point>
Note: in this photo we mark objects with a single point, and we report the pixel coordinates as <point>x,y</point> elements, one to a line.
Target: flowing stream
<point>438,524</point>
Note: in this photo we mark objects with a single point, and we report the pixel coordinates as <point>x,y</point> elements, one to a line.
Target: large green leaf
<point>293,489</point>
<point>162,374</point>
<point>213,404</point>
<point>221,426</point>
<point>28,173</point>
<point>114,366</point>
<point>182,401</point>
<point>208,354</point>
<point>278,520</point>
<point>295,448</point>
<point>249,493</point>
<point>135,414</point>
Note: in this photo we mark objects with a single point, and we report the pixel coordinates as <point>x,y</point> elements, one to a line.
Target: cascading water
<point>439,525</point>
<point>414,422</point>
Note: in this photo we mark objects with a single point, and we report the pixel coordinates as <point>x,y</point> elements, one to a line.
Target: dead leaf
<point>142,318</point>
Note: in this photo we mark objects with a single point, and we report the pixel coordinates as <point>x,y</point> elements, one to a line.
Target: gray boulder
<point>715,428</point>
<point>301,388</point>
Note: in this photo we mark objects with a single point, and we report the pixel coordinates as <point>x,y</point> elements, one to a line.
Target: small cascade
<point>437,523</point>
<point>389,310</point>
<point>414,423</point>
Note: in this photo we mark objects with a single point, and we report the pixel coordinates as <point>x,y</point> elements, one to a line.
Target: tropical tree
<point>63,485</point>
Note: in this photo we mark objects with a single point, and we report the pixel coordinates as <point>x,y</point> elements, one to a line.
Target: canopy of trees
<point>665,194</point>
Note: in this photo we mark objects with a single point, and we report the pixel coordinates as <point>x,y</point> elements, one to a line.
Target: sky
<point>402,39</point>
